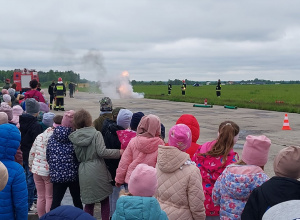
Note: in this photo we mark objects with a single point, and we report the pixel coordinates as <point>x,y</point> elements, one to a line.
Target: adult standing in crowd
<point>30,129</point>
<point>60,93</point>
<point>34,93</point>
<point>218,88</point>
<point>51,93</point>
<point>71,89</point>
<point>7,84</point>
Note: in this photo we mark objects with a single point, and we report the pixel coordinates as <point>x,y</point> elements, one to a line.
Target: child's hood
<point>139,207</point>
<point>148,145</point>
<point>83,137</point>
<point>170,158</point>
<point>240,180</point>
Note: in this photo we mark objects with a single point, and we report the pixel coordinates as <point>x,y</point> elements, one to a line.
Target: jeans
<point>30,184</point>
<point>59,190</point>
<point>113,199</point>
<point>45,191</point>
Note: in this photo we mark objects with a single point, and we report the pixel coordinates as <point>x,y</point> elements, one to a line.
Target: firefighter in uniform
<point>218,89</point>
<point>169,88</point>
<point>183,87</point>
<point>60,93</point>
<point>51,93</point>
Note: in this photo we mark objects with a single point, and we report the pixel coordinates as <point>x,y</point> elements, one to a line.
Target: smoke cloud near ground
<point>115,86</point>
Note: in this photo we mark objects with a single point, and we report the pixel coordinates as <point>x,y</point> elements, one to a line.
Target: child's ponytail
<point>225,142</point>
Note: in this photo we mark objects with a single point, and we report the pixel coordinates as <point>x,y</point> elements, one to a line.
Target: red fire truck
<point>23,77</point>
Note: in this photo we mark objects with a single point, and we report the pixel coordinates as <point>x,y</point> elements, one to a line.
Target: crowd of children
<point>122,161</point>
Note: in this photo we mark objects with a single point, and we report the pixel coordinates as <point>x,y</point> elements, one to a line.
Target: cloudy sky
<point>152,39</point>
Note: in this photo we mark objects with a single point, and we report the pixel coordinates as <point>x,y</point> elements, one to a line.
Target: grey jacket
<point>94,178</point>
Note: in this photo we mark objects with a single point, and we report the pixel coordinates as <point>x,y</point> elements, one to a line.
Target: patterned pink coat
<point>139,150</point>
<point>233,188</point>
<point>210,169</point>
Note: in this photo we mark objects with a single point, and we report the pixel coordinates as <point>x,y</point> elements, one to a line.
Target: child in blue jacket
<point>13,198</point>
<point>139,203</point>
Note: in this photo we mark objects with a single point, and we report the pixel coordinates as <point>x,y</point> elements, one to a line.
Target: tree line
<point>67,76</point>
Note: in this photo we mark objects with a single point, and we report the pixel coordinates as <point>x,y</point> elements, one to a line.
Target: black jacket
<point>30,128</point>
<point>51,89</point>
<point>270,193</point>
<point>111,141</point>
<point>59,90</point>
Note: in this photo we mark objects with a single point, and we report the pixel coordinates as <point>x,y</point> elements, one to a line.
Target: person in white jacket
<point>40,168</point>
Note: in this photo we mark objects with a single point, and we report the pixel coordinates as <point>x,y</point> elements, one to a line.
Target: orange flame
<point>125,74</point>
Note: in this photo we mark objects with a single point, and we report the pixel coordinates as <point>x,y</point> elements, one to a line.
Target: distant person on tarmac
<point>51,93</point>
<point>71,89</point>
<point>218,89</point>
<point>60,93</point>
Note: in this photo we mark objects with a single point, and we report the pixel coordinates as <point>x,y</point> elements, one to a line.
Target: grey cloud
<point>153,40</point>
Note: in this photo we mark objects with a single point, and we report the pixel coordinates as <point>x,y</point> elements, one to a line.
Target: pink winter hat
<point>256,150</point>
<point>67,120</point>
<point>287,162</point>
<point>143,181</point>
<point>4,91</point>
<point>6,109</point>
<point>180,136</point>
<point>17,110</point>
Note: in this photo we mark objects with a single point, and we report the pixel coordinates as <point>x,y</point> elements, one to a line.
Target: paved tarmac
<point>250,121</point>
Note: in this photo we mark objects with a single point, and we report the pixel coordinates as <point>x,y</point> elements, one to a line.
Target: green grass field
<point>242,96</point>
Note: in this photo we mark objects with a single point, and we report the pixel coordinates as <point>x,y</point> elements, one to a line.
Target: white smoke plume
<point>113,86</point>
<point>118,87</point>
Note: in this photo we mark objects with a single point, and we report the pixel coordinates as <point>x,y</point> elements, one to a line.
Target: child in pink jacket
<point>213,160</point>
<point>234,186</point>
<point>141,149</point>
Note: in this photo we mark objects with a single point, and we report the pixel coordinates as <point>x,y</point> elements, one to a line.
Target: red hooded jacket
<point>193,124</point>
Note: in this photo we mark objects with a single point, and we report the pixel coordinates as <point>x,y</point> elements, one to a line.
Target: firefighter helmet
<point>59,79</point>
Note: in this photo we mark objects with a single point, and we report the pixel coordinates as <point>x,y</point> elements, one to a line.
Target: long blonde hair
<point>225,142</point>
